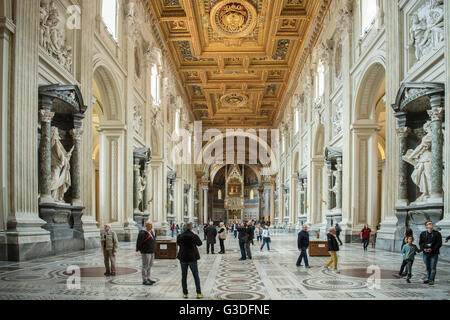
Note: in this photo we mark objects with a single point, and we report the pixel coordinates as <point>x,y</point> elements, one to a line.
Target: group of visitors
<point>188,241</point>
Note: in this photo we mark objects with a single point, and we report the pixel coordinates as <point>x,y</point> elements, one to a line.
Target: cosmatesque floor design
<point>269,275</point>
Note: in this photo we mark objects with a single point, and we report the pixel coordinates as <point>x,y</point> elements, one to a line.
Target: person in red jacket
<point>365,236</point>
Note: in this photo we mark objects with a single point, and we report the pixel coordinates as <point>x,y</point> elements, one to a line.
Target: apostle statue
<point>141,189</point>
<point>421,158</point>
<point>60,167</point>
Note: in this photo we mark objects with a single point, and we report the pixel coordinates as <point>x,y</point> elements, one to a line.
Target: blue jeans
<point>265,242</point>
<point>235,233</point>
<point>172,233</point>
<point>242,247</point>
<point>304,255</point>
<point>430,261</point>
<point>194,270</point>
<point>259,238</point>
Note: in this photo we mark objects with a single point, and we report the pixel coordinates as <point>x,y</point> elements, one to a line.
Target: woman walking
<point>266,238</point>
<point>258,233</point>
<point>333,248</point>
<point>365,236</point>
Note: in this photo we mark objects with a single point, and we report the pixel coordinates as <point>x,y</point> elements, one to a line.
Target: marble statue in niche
<point>421,158</point>
<point>427,27</point>
<point>141,188</point>
<point>52,36</point>
<point>61,181</point>
<point>337,120</point>
<point>138,121</point>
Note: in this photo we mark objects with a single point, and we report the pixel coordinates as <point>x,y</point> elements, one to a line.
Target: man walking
<point>430,241</point>
<point>110,243</point>
<point>303,244</point>
<point>222,236</point>
<point>211,233</point>
<point>251,235</point>
<point>145,244</point>
<point>333,248</point>
<point>188,256</point>
<point>243,239</point>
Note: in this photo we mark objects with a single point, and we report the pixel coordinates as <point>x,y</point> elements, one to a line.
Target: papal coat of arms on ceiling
<point>233,18</point>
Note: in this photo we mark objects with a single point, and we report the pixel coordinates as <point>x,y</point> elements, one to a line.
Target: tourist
<point>446,239</point>
<point>266,238</point>
<point>211,233</point>
<point>408,233</point>
<point>177,228</point>
<point>251,235</point>
<point>303,244</point>
<point>243,239</point>
<point>222,236</point>
<point>172,229</point>
<point>146,244</point>
<point>333,248</point>
<point>235,229</point>
<point>409,250</point>
<point>188,255</point>
<point>338,232</point>
<point>365,236</point>
<point>110,243</point>
<point>430,242</point>
<point>258,233</point>
<point>204,231</point>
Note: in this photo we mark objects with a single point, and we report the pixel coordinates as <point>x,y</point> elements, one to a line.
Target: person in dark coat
<point>204,231</point>
<point>146,245</point>
<point>333,248</point>
<point>251,235</point>
<point>303,244</point>
<point>243,239</point>
<point>430,241</point>
<point>211,233</point>
<point>188,241</point>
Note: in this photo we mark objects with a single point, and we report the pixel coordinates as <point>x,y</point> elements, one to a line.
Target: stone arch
<point>106,86</point>
<point>318,149</point>
<point>368,145</point>
<point>368,87</point>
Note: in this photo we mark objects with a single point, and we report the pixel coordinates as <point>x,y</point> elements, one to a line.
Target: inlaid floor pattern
<point>269,275</point>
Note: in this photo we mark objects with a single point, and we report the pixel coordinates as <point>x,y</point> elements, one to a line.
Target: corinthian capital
<point>46,115</point>
<point>436,114</point>
<point>76,134</point>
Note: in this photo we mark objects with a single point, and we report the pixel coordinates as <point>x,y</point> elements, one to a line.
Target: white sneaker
<point>336,271</point>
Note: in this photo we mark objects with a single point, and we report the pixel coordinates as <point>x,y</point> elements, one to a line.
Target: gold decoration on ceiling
<point>236,58</point>
<point>233,18</point>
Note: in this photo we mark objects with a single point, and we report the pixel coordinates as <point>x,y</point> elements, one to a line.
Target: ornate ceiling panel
<point>235,57</point>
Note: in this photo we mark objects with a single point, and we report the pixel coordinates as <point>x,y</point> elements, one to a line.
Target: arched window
<point>368,14</point>
<point>109,16</point>
<point>219,194</point>
<point>283,143</point>
<point>155,83</point>
<point>320,81</point>
<point>252,194</point>
<point>296,120</point>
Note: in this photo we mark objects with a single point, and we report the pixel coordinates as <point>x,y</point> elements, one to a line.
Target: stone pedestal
<point>63,221</point>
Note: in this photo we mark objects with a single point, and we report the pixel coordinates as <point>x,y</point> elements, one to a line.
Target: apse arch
<point>267,169</point>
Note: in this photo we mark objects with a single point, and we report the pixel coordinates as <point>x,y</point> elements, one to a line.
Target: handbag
<point>268,239</point>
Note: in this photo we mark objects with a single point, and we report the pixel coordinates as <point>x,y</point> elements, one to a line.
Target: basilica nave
<point>284,112</point>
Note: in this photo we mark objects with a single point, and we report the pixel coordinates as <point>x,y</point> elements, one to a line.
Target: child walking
<point>409,250</point>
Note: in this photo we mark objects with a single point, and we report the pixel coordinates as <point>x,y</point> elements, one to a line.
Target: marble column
<point>339,184</point>
<point>205,204</point>
<point>45,157</point>
<point>267,201</point>
<point>437,115</point>
<point>402,134</point>
<point>75,166</point>
<point>136,175</point>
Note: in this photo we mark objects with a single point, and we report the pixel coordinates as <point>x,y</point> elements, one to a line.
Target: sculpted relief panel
<point>52,36</point>
<point>426,30</point>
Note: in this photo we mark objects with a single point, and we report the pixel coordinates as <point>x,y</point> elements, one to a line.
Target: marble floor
<point>270,275</point>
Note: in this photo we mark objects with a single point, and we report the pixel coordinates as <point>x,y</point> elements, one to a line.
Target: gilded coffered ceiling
<point>235,58</point>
